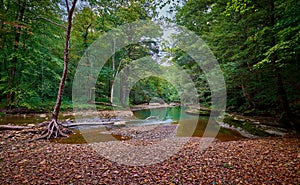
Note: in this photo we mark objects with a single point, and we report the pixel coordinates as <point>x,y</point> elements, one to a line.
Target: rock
<point>120,123</point>
<point>43,115</point>
<point>31,125</point>
<point>275,132</point>
<point>8,136</point>
<point>69,120</point>
<point>238,119</point>
<point>43,124</point>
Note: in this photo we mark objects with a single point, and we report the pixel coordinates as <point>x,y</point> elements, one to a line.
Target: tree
<point>29,57</point>
<point>53,127</point>
<point>269,21</point>
<point>257,44</point>
<point>112,15</point>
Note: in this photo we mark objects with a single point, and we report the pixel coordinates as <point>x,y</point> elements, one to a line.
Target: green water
<point>173,113</point>
<point>160,116</point>
<point>177,115</point>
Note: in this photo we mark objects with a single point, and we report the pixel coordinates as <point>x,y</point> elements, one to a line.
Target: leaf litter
<point>273,160</point>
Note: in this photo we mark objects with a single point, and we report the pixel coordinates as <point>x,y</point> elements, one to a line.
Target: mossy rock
<point>247,126</point>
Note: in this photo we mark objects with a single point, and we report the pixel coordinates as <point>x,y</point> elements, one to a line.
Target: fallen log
<point>14,127</point>
<point>106,104</point>
<point>87,124</point>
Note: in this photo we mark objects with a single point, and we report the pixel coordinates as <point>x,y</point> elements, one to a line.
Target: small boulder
<point>43,115</point>
<point>120,123</point>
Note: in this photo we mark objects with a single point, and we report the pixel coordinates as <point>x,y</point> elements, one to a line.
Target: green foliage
<point>32,41</point>
<point>30,52</point>
<point>253,42</point>
<point>256,43</point>
<point>153,89</point>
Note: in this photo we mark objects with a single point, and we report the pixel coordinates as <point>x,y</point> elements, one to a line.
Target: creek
<point>146,117</point>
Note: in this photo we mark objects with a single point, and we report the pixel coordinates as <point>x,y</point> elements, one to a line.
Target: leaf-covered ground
<point>249,161</point>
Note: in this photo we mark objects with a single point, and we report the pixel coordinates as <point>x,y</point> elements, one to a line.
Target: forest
<point>255,43</point>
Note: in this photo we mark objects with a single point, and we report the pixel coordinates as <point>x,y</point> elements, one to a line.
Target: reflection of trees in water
<point>173,113</point>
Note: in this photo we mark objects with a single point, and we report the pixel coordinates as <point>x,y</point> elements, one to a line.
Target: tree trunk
<point>124,87</point>
<point>247,95</point>
<point>85,36</point>
<point>281,94</point>
<point>13,69</point>
<point>53,127</point>
<point>114,72</point>
<point>66,62</point>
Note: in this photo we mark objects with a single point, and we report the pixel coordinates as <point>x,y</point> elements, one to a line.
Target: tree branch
<point>52,22</point>
<point>67,4</point>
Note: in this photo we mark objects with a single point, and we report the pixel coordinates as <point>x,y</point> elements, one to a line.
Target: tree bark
<point>66,61</point>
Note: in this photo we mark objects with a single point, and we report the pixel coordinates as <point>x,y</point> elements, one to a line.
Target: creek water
<point>145,117</point>
<point>25,119</point>
<point>151,117</point>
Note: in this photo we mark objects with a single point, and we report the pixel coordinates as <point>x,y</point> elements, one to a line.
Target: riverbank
<point>254,126</point>
<point>272,160</point>
<point>247,126</point>
<point>24,116</point>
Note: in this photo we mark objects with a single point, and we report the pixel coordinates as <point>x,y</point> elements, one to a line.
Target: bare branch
<point>52,22</point>
<point>67,4</point>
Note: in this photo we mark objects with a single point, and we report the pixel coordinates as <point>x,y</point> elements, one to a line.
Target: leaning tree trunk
<point>55,129</point>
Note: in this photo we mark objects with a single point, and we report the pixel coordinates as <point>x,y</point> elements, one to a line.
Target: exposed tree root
<point>54,130</point>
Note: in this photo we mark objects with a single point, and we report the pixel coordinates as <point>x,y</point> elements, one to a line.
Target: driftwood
<point>102,103</point>
<point>14,127</point>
